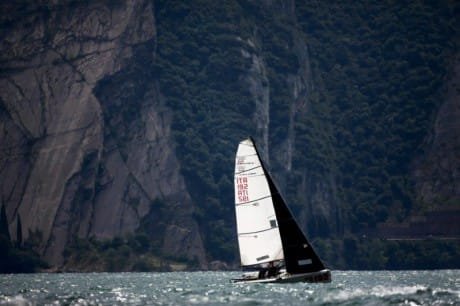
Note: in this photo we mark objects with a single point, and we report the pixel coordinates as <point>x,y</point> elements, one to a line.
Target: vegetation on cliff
<point>131,253</point>
<point>340,96</point>
<point>377,74</point>
<point>382,66</point>
<point>16,257</point>
<point>352,253</point>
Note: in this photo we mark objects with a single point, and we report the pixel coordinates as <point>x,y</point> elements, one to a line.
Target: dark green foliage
<point>202,74</point>
<point>151,232</point>
<point>375,254</point>
<point>376,76</point>
<point>382,64</point>
<point>131,253</point>
<point>14,258</point>
<point>141,243</point>
<point>375,83</point>
<point>19,232</point>
<point>141,251</point>
<point>4,231</point>
<point>200,66</point>
<point>21,261</point>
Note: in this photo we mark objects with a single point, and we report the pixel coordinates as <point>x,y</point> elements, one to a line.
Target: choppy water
<point>214,288</point>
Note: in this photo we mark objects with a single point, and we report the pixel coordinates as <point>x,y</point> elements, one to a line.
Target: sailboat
<point>271,244</point>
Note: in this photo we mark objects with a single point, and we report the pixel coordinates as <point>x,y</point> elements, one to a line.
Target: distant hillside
<point>342,97</point>
<point>119,122</point>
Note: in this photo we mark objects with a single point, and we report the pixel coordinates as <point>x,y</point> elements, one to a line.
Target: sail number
<point>242,183</point>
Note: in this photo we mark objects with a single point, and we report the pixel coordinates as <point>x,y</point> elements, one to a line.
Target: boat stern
<point>323,276</point>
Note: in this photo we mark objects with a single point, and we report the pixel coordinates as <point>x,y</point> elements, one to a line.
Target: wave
<point>17,300</point>
<point>386,294</point>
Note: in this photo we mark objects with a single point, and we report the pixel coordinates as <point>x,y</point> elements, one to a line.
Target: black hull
<point>323,276</point>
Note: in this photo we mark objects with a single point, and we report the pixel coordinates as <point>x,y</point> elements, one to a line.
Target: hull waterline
<point>323,276</point>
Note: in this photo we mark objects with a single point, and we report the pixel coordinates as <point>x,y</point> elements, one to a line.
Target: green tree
<point>4,230</point>
<point>19,232</point>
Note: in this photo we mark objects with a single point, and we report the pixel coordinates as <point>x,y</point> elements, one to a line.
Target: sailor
<point>268,271</point>
<point>262,273</point>
<point>272,270</point>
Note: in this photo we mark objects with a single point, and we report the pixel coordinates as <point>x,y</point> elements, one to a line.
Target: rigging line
<point>256,232</point>
<point>245,203</point>
<point>236,173</point>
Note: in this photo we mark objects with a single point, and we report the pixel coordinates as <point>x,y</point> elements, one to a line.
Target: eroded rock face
<point>70,165</point>
<point>437,173</point>
<point>317,196</point>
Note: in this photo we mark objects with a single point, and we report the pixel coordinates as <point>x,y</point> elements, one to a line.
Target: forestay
<point>258,234</point>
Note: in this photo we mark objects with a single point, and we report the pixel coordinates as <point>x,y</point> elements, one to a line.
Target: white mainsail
<point>258,234</point>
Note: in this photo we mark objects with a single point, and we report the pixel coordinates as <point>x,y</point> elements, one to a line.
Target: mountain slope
<point>122,117</point>
<point>78,159</point>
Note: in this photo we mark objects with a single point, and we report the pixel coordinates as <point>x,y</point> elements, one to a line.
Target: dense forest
<point>376,75</point>
<point>340,96</point>
<point>17,257</point>
<point>383,66</point>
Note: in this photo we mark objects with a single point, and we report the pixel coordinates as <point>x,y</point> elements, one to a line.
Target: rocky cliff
<point>85,142</point>
<point>437,172</point>
<point>121,117</point>
<point>314,197</point>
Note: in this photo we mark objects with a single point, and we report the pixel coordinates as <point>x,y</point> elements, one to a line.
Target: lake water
<point>214,288</point>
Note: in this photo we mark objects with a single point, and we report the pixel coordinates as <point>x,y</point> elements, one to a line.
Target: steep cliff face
<point>257,81</point>
<point>79,158</point>
<point>237,69</point>
<point>318,190</point>
<point>278,119</point>
<point>117,116</point>
<point>300,138</point>
<point>437,173</point>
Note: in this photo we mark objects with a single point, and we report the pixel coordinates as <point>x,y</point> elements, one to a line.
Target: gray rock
<point>62,167</point>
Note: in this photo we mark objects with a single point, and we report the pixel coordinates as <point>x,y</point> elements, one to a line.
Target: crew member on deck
<point>268,272</point>
<point>272,270</point>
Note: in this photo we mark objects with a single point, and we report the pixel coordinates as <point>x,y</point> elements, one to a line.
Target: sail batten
<point>248,170</point>
<point>252,233</point>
